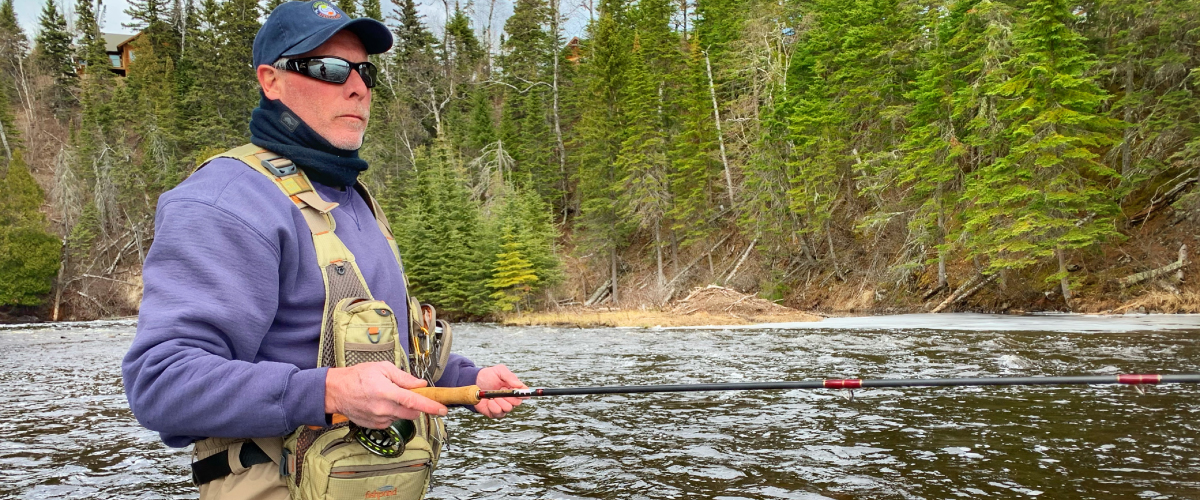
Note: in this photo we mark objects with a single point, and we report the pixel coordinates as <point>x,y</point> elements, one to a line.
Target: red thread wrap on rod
<point>843,383</point>
<point>1135,379</point>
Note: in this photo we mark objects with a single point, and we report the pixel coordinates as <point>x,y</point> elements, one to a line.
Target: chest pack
<point>343,460</point>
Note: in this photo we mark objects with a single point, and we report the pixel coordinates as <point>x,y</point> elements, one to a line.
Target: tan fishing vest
<point>328,462</point>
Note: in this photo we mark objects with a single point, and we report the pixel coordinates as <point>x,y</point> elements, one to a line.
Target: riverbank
<point>596,317</point>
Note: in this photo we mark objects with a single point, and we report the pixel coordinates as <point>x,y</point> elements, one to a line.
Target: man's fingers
<point>404,380</point>
<point>414,401</point>
<point>509,379</point>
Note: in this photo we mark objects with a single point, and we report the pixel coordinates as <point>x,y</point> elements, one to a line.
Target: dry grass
<point>1164,302</point>
<point>588,317</point>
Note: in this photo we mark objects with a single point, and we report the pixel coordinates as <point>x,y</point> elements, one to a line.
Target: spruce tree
<point>604,207</point>
<point>372,9</point>
<point>525,120</point>
<point>28,253</point>
<point>447,259</point>
<point>695,178</point>
<point>512,274</point>
<point>1050,194</point>
<point>89,44</point>
<point>54,55</point>
<point>13,44</point>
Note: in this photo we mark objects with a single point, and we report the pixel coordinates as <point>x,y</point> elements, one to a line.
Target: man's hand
<point>374,395</point>
<point>494,378</point>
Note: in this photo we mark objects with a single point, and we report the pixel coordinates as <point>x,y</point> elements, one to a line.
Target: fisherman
<point>235,314</point>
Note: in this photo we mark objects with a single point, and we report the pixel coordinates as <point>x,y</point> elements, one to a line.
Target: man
<point>225,354</point>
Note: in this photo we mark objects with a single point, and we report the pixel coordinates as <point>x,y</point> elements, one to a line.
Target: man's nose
<point>355,87</point>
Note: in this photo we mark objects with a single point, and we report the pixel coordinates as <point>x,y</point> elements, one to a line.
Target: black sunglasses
<point>334,69</point>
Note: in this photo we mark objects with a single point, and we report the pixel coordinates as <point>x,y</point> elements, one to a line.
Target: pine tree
<point>695,179</point>
<point>1050,194</point>
<point>350,7</point>
<point>372,9</point>
<point>525,119</point>
<point>89,44</point>
<point>28,253</point>
<point>54,55</point>
<point>447,259</point>
<point>604,208</point>
<point>512,276</point>
<point>13,44</point>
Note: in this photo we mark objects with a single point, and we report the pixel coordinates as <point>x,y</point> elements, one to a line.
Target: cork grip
<point>468,395</point>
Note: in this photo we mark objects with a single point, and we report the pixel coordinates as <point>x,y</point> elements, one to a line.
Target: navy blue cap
<point>294,28</point>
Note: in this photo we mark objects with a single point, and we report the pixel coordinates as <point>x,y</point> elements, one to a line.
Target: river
<point>68,432</point>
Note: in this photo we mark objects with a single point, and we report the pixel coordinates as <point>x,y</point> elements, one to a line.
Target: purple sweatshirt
<point>226,342</point>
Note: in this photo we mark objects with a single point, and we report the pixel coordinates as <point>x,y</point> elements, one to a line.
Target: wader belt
<point>217,466</point>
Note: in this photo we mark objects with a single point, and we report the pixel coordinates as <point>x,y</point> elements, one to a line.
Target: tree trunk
<point>612,253</point>
<point>562,149</point>
<point>740,261</point>
<point>4,139</point>
<point>712,90</point>
<point>1062,270</point>
<point>941,239</point>
<point>658,253</point>
<point>1125,147</point>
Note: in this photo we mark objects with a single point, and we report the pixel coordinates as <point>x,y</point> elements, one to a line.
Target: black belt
<point>217,466</point>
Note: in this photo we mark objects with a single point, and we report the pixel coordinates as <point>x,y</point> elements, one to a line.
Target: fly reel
<point>387,442</point>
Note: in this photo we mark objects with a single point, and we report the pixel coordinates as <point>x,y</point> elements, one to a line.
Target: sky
<point>432,10</point>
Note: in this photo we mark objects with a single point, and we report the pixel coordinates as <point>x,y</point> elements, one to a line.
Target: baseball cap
<point>294,28</point>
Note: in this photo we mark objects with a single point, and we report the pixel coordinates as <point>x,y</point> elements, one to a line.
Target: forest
<point>848,155</point>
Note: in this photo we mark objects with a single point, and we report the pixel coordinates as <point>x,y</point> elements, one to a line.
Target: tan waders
<point>341,461</point>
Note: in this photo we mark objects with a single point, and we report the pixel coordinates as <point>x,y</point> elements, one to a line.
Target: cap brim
<point>375,37</point>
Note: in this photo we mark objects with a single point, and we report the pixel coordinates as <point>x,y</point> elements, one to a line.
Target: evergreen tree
<point>13,41</point>
<point>447,259</point>
<point>90,44</point>
<point>604,208</point>
<point>350,7</point>
<point>695,178</point>
<point>372,9</point>
<point>28,253</point>
<point>1050,194</point>
<point>525,117</point>
<point>512,276</point>
<point>54,55</point>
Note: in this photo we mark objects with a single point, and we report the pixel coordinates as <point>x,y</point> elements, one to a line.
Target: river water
<point>68,433</point>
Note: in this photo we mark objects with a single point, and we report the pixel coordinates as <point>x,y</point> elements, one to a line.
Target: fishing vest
<point>344,461</point>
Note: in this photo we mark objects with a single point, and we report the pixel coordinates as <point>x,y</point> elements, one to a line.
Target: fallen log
<point>740,261</point>
<point>694,262</point>
<point>1165,199</point>
<point>966,291</point>
<point>1178,265</point>
<point>934,292</point>
<point>600,293</point>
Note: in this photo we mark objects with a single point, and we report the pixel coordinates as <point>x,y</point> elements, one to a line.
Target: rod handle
<point>468,395</point>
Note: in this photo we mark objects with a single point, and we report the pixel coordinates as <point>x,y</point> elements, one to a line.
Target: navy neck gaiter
<point>276,128</point>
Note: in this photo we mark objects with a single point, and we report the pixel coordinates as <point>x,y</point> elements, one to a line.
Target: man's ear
<point>271,82</point>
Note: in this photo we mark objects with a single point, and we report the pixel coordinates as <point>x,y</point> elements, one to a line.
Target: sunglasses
<point>334,69</point>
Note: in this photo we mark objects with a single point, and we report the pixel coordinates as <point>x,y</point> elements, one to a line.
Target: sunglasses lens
<point>369,73</point>
<point>329,70</point>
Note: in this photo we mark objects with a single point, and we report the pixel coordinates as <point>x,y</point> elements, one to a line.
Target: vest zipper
<point>352,472</point>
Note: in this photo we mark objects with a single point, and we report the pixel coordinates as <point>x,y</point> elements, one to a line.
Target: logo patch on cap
<point>325,10</point>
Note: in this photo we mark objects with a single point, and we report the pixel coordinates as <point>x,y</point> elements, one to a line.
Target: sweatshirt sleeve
<point>459,372</point>
<point>211,291</point>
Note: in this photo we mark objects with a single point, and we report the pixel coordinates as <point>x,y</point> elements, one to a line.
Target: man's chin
<point>347,143</point>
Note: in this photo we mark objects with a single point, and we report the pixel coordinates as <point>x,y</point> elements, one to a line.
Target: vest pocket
<point>400,482</point>
<point>364,331</point>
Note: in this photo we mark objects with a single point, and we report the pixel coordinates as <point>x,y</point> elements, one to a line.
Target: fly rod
<point>472,395</point>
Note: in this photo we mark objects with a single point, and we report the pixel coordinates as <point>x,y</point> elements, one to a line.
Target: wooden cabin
<point>119,50</point>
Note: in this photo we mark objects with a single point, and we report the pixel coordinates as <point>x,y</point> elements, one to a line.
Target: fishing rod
<point>471,395</point>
